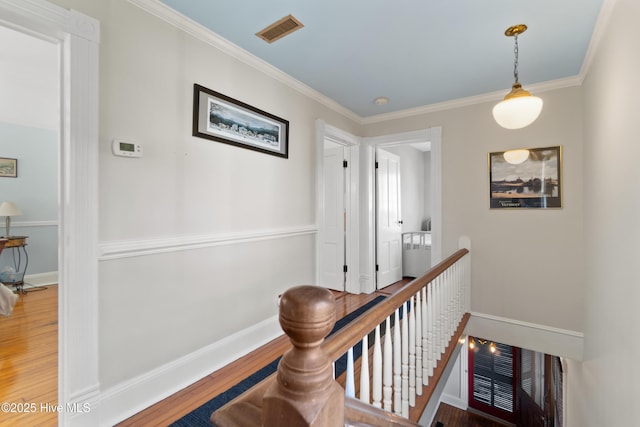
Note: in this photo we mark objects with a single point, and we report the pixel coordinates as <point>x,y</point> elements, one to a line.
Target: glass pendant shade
<point>518,109</point>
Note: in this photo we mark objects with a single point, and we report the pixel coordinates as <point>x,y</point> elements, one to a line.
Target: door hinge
<point>377,267</point>
<point>345,268</point>
<point>376,165</point>
<point>344,163</point>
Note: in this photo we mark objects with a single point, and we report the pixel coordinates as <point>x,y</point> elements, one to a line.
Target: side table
<point>18,245</point>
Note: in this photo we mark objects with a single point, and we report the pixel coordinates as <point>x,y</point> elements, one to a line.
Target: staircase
<point>407,341</point>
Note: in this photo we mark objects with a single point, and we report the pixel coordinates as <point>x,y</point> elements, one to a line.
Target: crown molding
<point>204,34</point>
<point>176,19</point>
<point>598,33</point>
<point>472,100</point>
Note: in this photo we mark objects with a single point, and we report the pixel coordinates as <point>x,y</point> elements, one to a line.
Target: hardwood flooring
<point>29,363</point>
<point>450,416</point>
<point>29,360</point>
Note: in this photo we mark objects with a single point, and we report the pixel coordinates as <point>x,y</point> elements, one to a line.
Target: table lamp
<point>9,209</point>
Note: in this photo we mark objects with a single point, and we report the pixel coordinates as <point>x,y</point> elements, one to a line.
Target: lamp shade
<point>518,109</point>
<point>9,209</point>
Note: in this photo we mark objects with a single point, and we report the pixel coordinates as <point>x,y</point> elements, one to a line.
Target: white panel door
<point>332,258</point>
<point>389,220</point>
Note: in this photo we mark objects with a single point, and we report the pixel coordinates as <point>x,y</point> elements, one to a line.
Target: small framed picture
<point>526,178</point>
<point>224,119</point>
<point>8,167</point>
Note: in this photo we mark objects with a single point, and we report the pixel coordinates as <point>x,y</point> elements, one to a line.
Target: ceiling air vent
<point>279,29</point>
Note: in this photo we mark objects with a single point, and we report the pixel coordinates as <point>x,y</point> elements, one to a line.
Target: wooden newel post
<point>305,393</point>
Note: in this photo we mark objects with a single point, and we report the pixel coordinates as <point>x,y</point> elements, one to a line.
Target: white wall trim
<point>51,20</point>
<point>78,36</point>
<point>42,279</point>
<point>454,401</point>
<point>472,100</point>
<point>206,35</point>
<point>529,325</point>
<point>143,247</point>
<point>436,195</point>
<point>51,223</point>
<point>598,32</point>
<point>532,336</point>
<point>130,397</point>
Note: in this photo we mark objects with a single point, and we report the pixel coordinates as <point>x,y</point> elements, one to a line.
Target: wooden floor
<point>450,416</point>
<point>29,360</point>
<point>29,366</point>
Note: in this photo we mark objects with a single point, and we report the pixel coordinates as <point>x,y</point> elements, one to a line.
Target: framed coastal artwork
<point>221,118</point>
<point>8,167</point>
<point>526,178</point>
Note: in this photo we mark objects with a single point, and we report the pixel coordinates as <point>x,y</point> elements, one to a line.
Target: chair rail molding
<point>46,223</point>
<point>143,247</point>
<point>532,336</point>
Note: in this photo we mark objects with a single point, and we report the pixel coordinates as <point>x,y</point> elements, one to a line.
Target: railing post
<point>305,393</point>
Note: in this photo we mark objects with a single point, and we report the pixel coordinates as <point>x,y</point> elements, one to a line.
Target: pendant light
<point>519,108</point>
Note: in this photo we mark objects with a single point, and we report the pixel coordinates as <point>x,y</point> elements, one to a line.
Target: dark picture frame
<point>535,182</point>
<point>8,167</point>
<point>221,118</point>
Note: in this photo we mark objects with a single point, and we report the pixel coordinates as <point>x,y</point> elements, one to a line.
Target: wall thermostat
<point>126,149</point>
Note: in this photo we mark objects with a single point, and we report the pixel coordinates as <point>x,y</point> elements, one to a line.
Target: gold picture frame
<point>526,178</point>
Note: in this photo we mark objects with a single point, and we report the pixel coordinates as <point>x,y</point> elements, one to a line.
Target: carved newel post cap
<point>305,393</point>
<point>307,314</point>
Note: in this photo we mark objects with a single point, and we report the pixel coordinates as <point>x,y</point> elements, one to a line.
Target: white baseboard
<point>531,336</point>
<point>128,398</point>
<point>454,401</point>
<point>41,279</point>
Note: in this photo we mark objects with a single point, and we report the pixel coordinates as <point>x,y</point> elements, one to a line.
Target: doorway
<point>29,134</point>
<point>415,189</point>
<point>77,37</point>
<point>360,245</point>
<point>337,181</point>
<point>388,218</point>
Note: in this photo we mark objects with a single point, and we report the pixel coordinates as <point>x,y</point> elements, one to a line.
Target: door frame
<point>368,220</point>
<point>78,37</point>
<point>352,202</point>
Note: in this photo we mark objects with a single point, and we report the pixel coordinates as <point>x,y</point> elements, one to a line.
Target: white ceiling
<point>415,52</point>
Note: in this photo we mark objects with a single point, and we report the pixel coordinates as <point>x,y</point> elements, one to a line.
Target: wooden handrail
<point>357,413</point>
<point>304,394</point>
<point>338,343</point>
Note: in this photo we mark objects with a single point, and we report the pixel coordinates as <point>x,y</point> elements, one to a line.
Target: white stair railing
<point>409,342</point>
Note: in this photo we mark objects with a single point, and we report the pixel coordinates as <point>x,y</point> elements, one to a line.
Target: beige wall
<point>527,265</point>
<point>604,389</point>
<point>157,308</point>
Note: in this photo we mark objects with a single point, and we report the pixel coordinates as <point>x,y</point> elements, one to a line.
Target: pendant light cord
<point>515,62</point>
